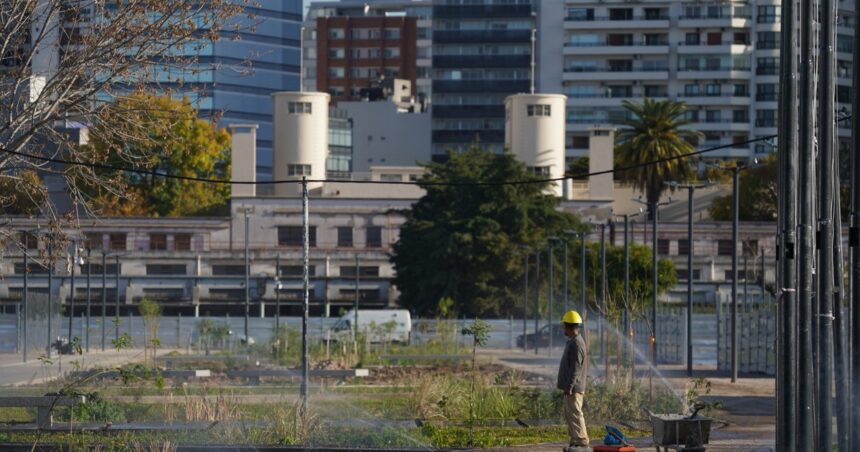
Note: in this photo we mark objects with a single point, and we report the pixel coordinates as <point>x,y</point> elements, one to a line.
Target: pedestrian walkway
<point>15,372</point>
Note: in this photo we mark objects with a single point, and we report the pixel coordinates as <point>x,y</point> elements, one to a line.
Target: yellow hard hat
<point>571,317</point>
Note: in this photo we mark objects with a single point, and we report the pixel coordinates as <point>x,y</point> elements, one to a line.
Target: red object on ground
<point>603,448</point>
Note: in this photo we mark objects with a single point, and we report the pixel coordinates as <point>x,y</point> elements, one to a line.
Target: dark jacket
<point>571,370</point>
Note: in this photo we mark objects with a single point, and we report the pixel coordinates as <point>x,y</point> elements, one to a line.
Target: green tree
<point>162,134</point>
<point>655,131</point>
<point>465,241</point>
<point>757,195</point>
<point>579,168</point>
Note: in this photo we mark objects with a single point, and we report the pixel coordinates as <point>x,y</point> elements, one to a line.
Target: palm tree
<point>654,131</point>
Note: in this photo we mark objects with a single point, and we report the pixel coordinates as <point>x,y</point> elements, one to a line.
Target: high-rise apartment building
<point>481,55</point>
<point>721,58</point>
<point>351,45</point>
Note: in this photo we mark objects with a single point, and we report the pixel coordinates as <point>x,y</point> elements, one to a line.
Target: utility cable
<point>104,166</point>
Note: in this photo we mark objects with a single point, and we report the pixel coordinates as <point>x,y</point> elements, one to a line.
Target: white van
<point>381,325</point>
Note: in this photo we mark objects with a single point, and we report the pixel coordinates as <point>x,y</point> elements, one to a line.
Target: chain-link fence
<point>756,329</point>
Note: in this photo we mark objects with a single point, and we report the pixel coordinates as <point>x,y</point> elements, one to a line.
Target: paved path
<point>748,405</point>
<point>15,372</point>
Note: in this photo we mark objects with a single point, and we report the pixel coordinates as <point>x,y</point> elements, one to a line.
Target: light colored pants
<point>575,419</point>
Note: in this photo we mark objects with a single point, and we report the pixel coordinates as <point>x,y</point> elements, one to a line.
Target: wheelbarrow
<point>680,433</point>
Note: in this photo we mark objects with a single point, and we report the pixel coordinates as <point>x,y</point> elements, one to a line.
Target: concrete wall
<point>382,136</point>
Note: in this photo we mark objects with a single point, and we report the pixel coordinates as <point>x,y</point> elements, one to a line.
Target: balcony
<point>722,124</point>
<point>727,99</point>
<point>714,72</point>
<point>625,48</point>
<point>481,11</point>
<point>720,20</point>
<point>470,61</point>
<point>724,47</point>
<point>767,70</point>
<point>765,122</point>
<point>468,111</point>
<point>469,136</point>
<point>480,86</point>
<point>481,36</point>
<point>604,22</point>
<point>610,73</point>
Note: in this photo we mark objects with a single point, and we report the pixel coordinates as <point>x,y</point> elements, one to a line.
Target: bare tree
<point>63,61</point>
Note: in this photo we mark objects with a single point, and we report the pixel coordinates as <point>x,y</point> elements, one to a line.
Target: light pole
<point>277,297</point>
<point>116,300</point>
<point>550,321</point>
<point>74,259</point>
<point>537,297</point>
<point>653,211</point>
<point>89,298</point>
<point>626,315</point>
<point>26,296</point>
<point>245,212</point>
<point>355,302</point>
<point>104,296</point>
<point>691,188</point>
<point>525,297</point>
<point>50,290</point>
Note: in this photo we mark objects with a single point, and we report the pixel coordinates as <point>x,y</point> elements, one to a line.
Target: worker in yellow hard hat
<point>571,380</point>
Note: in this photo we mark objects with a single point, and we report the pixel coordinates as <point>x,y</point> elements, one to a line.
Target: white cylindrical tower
<point>300,134</point>
<point>534,133</point>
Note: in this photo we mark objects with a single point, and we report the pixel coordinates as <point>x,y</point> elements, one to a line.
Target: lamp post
<point>74,259</point>
<point>525,297</point>
<point>116,300</point>
<point>550,299</point>
<point>277,284</point>
<point>653,210</point>
<point>691,188</point>
<point>50,290</point>
<point>26,297</point>
<point>104,296</point>
<point>89,298</point>
<point>537,297</point>
<point>626,315</point>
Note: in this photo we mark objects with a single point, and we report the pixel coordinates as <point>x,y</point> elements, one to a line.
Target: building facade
<point>350,45</point>
<point>481,55</point>
<point>721,58</point>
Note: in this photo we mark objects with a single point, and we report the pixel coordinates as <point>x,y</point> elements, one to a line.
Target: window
<point>580,14</point>
<point>298,170</point>
<point>767,91</point>
<point>712,89</point>
<point>620,13</point>
<point>580,142</point>
<point>715,39</point>
<point>619,39</point>
<point>391,177</point>
<point>34,269</point>
<point>374,237</point>
<point>540,171</point>
<point>369,271</point>
<point>683,247</point>
<point>336,72</point>
<point>656,39</point>
<point>228,270</point>
<point>765,118</point>
<point>166,269</point>
<point>392,52</point>
<point>725,247</point>
<point>363,294</point>
<point>740,116</point>
<point>336,33</point>
<point>292,236</point>
<point>767,66</point>
<point>843,94</point>
<point>117,242</point>
<point>768,40</point>
<point>31,241</point>
<point>691,39</point>
<point>682,274</point>
<point>691,90</point>
<point>769,14</point>
<point>299,107</point>
<point>182,242</point>
<point>740,90</point>
<point>97,269</point>
<point>538,110</point>
<point>663,246</point>
<point>713,116</point>
<point>392,33</point>
<point>158,242</point>
<point>297,270</point>
<point>344,236</point>
<point>336,53</point>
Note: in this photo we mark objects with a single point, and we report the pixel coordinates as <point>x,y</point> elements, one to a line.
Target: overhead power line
<point>104,166</point>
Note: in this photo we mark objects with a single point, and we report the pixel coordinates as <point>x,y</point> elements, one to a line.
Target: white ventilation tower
<point>534,133</point>
<point>300,134</point>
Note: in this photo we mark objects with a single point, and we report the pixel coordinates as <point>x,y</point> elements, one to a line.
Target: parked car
<point>542,337</point>
<point>381,325</point>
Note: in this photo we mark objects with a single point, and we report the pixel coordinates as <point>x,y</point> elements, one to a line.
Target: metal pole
<point>247,279</point>
<point>827,143</point>
<point>734,319</point>
<point>116,300</point>
<point>603,319</point>
<point>356,301</point>
<point>305,297</point>
<point>525,299</point>
<point>89,299</point>
<point>654,211</point>
<point>26,297</point>
<point>626,286</point>
<point>278,297</point>
<point>582,264</point>
<point>690,190</point>
<point>537,298</point>
<point>104,296</point>
<point>840,349</point>
<point>806,164</point>
<point>550,299</point>
<point>72,283</point>
<point>854,243</point>
<point>566,296</point>
<point>50,291</point>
